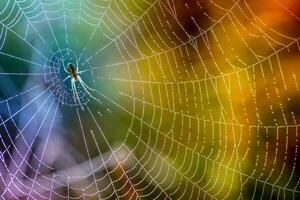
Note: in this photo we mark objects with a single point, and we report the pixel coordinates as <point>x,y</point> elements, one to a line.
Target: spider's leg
<point>66,70</point>
<point>77,65</point>
<point>73,90</point>
<point>86,87</point>
<point>76,94</point>
<point>66,79</point>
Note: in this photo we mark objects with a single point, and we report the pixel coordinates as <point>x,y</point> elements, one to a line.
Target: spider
<point>74,75</point>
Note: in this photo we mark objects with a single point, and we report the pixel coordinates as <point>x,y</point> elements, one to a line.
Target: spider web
<point>186,100</point>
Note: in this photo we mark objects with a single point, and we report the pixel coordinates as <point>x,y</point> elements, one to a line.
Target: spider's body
<point>74,76</point>
<point>72,70</point>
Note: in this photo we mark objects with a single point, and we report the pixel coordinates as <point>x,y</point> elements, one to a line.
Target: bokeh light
<point>166,99</point>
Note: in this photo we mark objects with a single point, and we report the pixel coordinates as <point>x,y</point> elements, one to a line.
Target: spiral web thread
<point>197,105</point>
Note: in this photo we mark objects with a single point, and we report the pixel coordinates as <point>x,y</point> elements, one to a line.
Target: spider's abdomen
<point>72,70</point>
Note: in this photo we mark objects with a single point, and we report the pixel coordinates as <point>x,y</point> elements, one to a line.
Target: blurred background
<point>176,99</point>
